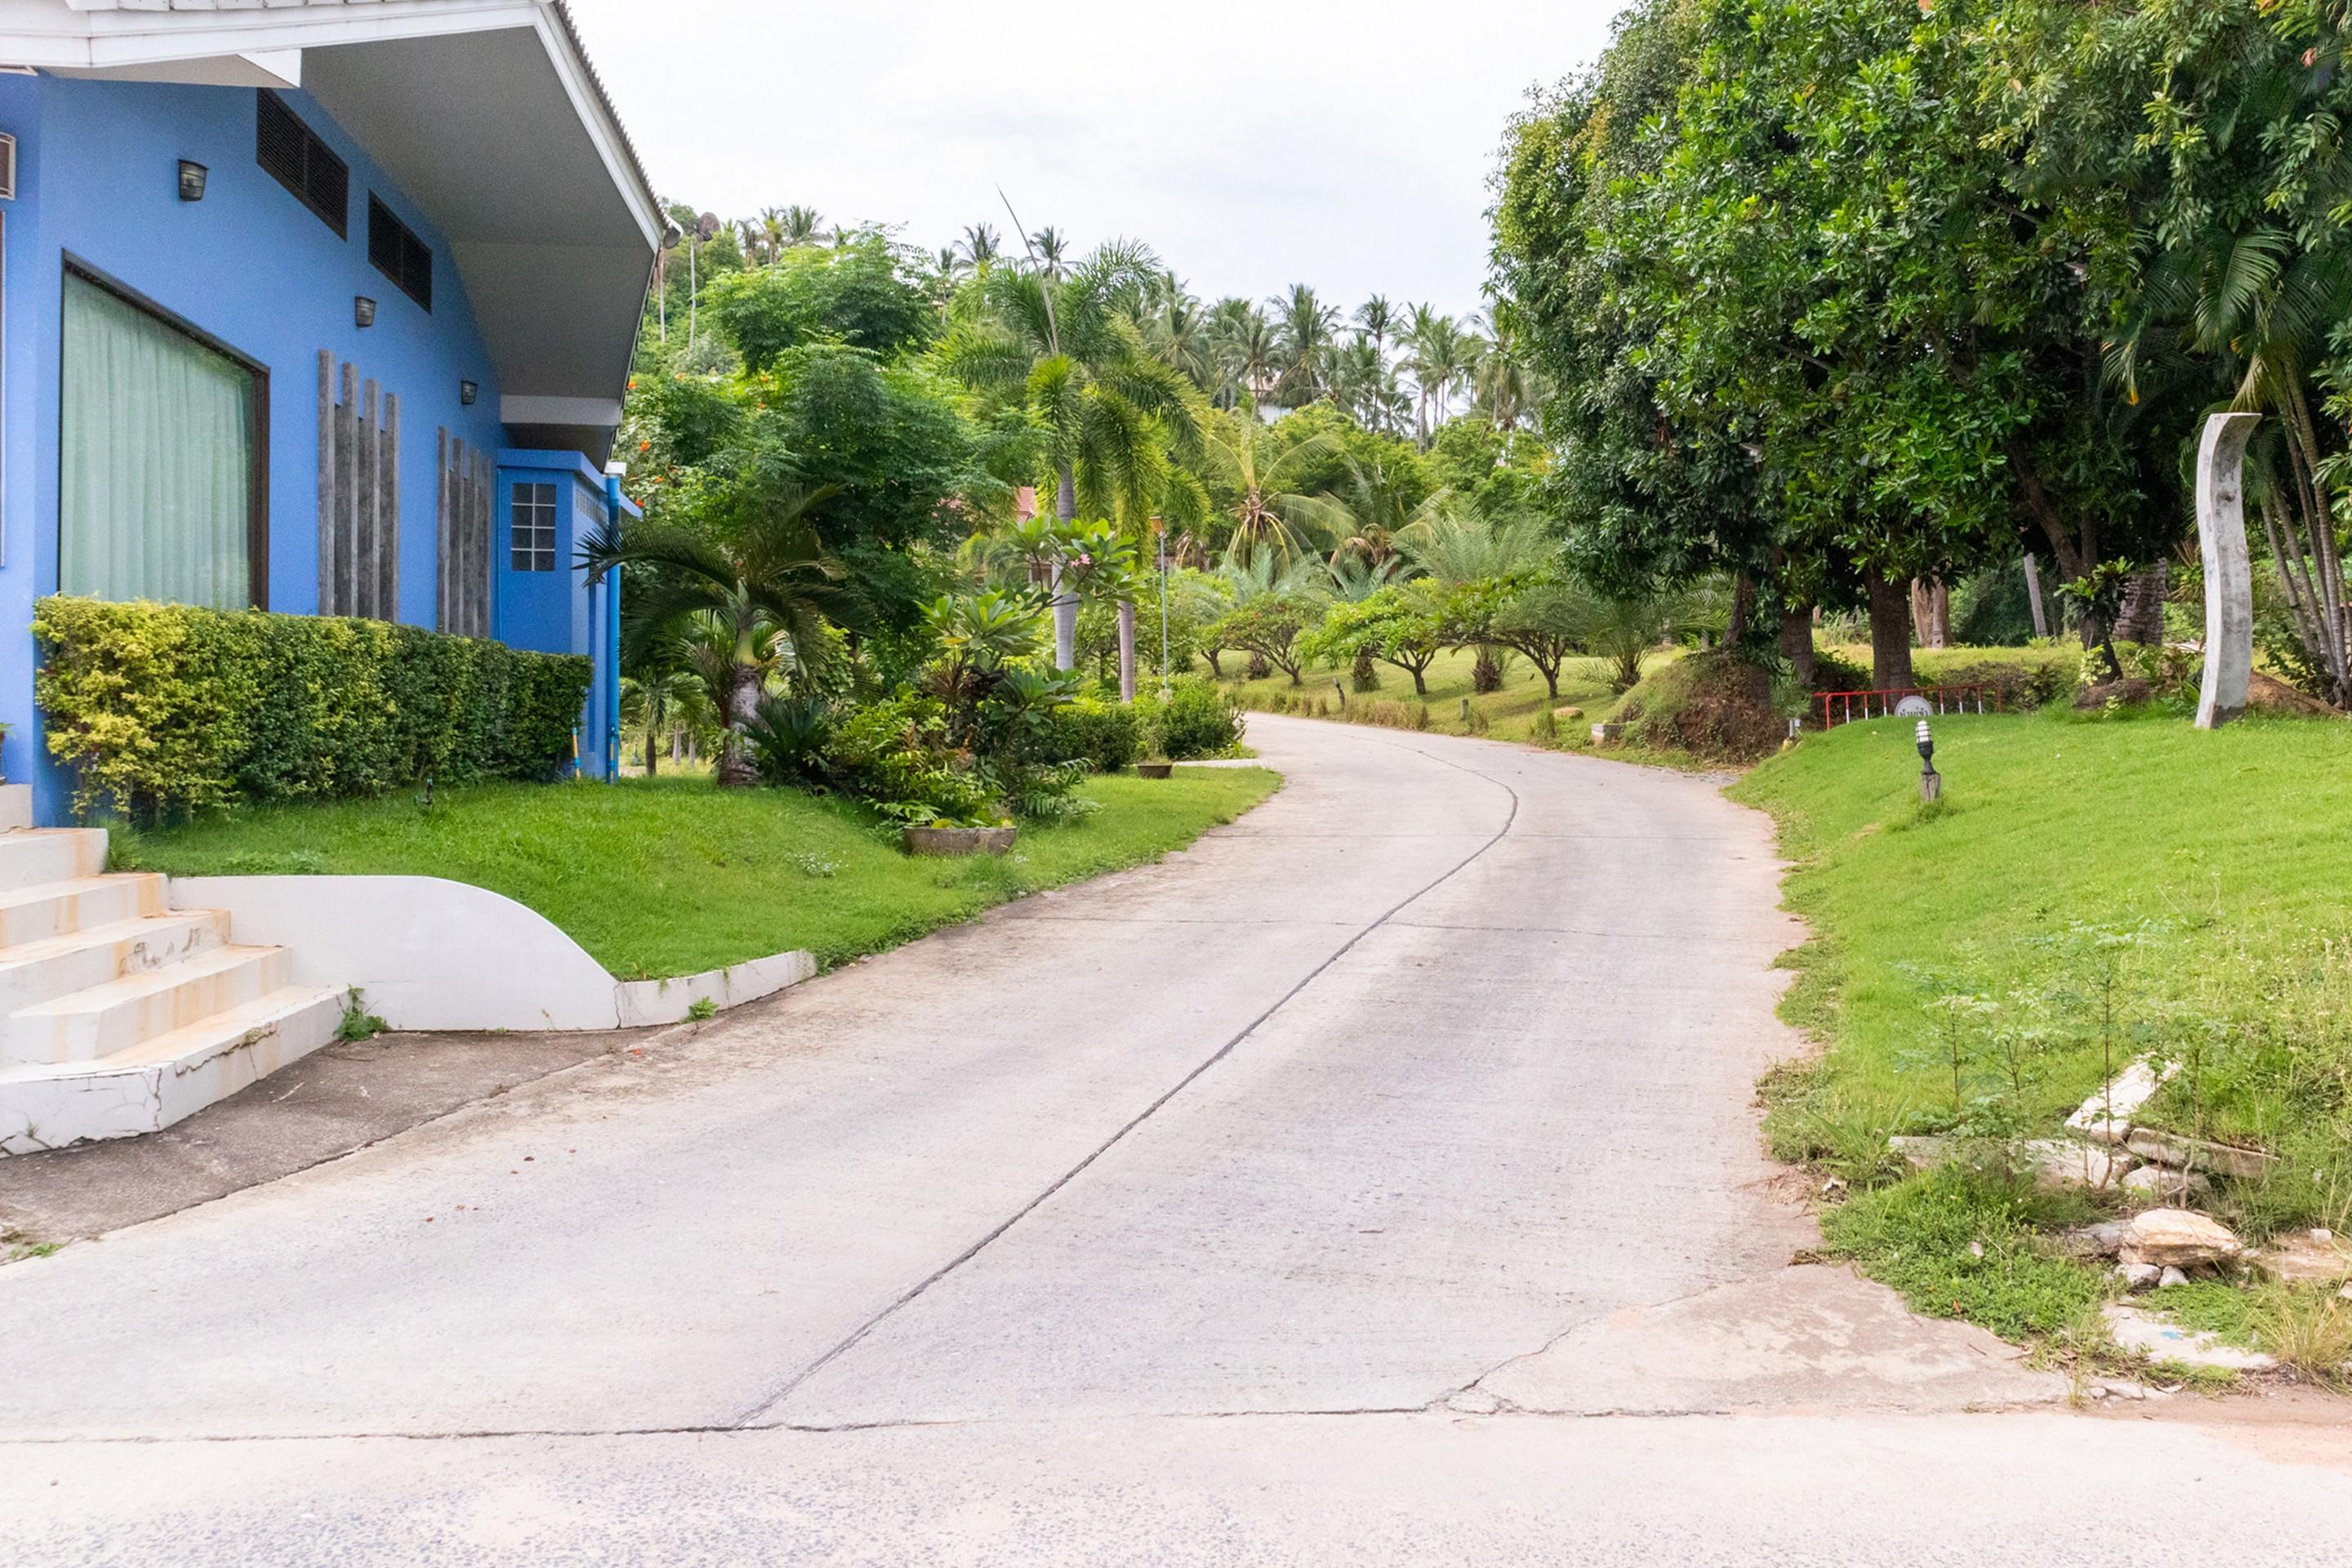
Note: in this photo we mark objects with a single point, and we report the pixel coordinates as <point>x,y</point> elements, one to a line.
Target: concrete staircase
<point>119,1015</point>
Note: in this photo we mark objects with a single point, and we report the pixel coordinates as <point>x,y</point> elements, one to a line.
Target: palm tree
<point>1376,319</point>
<point>978,245</point>
<point>1051,246</point>
<point>1505,387</point>
<point>1440,355</point>
<point>759,602</point>
<point>1364,384</point>
<point>1112,414</point>
<point>800,226</point>
<point>1271,519</point>
<point>1247,351</point>
<point>1177,335</point>
<point>1452,546</point>
<point>1305,331</point>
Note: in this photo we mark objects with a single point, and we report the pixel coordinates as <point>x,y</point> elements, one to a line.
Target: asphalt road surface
<point>1375,1181</point>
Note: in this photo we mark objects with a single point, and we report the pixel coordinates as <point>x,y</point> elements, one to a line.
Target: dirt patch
<point>1709,705</point>
<point>2270,695</point>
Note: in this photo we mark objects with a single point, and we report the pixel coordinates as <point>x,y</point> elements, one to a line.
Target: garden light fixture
<point>192,176</point>
<point>363,311</point>
<point>1931,782</point>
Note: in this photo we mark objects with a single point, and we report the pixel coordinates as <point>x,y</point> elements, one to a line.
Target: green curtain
<point>157,493</point>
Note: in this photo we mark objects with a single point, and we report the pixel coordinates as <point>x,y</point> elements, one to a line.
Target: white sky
<point>1344,143</point>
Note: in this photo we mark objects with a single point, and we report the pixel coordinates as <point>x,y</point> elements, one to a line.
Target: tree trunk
<point>1065,605</point>
<point>652,744</point>
<point>1127,650</point>
<point>2141,619</point>
<point>1797,644</point>
<point>1743,604</point>
<point>1931,613</point>
<point>1259,667</point>
<point>1364,673</point>
<point>2033,597</point>
<point>1216,668</point>
<point>1551,679</point>
<point>735,769</point>
<point>1485,671</point>
<point>1420,686</point>
<point>1890,635</point>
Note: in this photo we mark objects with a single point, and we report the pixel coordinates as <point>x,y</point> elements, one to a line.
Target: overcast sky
<point>1344,143</point>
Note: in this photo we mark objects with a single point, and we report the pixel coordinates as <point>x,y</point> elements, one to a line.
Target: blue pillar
<point>613,503</point>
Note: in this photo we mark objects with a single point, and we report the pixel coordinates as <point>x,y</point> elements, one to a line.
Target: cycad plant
<point>755,607</point>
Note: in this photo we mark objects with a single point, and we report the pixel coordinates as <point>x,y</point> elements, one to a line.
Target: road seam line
<point>761,1409</point>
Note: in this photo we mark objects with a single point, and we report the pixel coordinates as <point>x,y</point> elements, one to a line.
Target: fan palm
<point>757,604</point>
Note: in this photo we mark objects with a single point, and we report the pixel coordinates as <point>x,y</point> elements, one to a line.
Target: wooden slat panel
<point>387,538</point>
<point>326,491</point>
<point>442,620</point>
<point>347,493</point>
<point>365,519</point>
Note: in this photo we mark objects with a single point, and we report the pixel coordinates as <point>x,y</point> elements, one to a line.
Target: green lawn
<point>2201,882</point>
<point>666,877</point>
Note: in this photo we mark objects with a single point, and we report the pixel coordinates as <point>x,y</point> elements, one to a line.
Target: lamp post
<point>1160,528</point>
<point>1931,782</point>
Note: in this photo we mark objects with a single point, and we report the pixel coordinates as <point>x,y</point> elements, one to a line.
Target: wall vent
<point>399,254</point>
<point>303,164</point>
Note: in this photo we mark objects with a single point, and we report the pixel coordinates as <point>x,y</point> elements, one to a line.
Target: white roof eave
<point>103,34</point>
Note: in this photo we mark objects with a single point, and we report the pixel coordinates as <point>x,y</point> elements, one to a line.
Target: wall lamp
<point>363,311</point>
<point>468,390</point>
<point>192,176</point>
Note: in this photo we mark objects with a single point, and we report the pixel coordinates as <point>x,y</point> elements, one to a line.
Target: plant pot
<point>959,840</point>
<point>1154,770</point>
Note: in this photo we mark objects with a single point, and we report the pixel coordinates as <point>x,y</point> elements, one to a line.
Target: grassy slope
<point>2226,839</point>
<point>2224,844</point>
<point>672,876</point>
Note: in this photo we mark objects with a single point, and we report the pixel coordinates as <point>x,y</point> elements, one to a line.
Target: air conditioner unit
<point>7,167</point>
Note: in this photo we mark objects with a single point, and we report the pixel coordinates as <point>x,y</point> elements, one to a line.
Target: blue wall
<point>97,178</point>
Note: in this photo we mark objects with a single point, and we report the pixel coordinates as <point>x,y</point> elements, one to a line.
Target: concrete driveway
<point>1377,1181</point>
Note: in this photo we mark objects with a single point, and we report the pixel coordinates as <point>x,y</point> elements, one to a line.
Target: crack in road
<point>754,1416</point>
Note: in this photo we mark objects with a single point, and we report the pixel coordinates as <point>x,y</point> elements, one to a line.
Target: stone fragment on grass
<point>2313,1257</point>
<point>2131,1089</point>
<point>2137,1329</point>
<point>2100,1240</point>
<point>2177,1238</point>
<point>2171,1149</point>
<point>2138,1277</point>
<point>2061,1162</point>
<point>2164,1183</point>
<point>2170,1278</point>
<point>1921,1153</point>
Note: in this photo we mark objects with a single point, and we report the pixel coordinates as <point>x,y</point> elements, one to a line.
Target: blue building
<point>316,306</point>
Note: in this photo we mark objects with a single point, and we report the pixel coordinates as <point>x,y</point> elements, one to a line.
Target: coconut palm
<point>1246,349</point>
<point>801,225</point>
<point>1305,331</point>
<point>766,594</point>
<point>1052,247</point>
<point>1376,319</point>
<point>1263,466</point>
<point>1440,355</point>
<point>1363,382</point>
<point>1113,416</point>
<point>980,244</point>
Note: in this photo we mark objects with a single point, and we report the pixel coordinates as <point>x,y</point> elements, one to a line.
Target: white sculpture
<point>2229,580</point>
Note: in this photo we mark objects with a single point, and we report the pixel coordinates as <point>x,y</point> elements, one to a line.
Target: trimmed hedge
<point>1104,733</point>
<point>167,707</point>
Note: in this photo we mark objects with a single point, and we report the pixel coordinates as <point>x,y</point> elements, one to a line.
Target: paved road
<point>1375,1181</point>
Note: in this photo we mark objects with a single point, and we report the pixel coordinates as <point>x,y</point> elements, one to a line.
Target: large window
<point>162,492</point>
<point>533,541</point>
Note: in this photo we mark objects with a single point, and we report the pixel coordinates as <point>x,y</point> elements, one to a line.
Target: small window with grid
<point>533,543</point>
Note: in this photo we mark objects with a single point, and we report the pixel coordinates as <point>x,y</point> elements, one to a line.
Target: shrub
<point>169,708</point>
<point>788,736</point>
<point>1105,733</point>
<point>893,754</point>
<point>1197,720</point>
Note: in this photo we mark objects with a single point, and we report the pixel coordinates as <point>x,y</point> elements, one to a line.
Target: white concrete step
<point>56,966</point>
<point>33,855</point>
<point>137,1008</point>
<point>164,1080</point>
<point>52,909</point>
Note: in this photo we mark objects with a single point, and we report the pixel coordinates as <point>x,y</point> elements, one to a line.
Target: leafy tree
<point>863,295</point>
<point>1404,623</point>
<point>1268,627</point>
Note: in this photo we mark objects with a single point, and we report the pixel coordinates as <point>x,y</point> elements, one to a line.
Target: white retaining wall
<point>436,955</point>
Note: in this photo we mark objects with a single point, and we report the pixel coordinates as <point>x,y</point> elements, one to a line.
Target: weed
<point>1960,1243</point>
<point>358,1023</point>
<point>703,1009</point>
